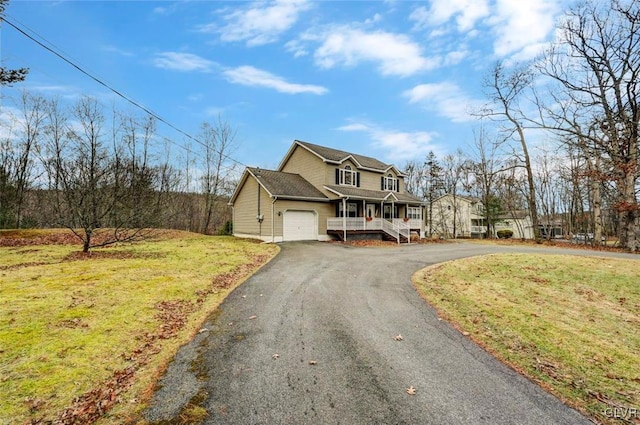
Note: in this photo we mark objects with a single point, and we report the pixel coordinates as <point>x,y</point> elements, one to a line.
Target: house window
<point>390,183</point>
<point>352,209</point>
<point>347,176</point>
<point>390,211</point>
<point>414,213</point>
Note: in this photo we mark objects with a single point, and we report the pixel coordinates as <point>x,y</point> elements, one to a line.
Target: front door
<point>371,210</point>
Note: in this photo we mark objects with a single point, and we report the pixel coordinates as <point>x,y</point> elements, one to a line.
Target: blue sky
<point>389,79</point>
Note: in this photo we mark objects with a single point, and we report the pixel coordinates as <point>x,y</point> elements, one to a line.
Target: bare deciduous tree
<point>97,186</point>
<point>218,142</point>
<point>595,68</point>
<point>505,89</point>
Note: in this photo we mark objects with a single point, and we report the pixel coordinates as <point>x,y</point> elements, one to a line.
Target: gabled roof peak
<point>337,156</point>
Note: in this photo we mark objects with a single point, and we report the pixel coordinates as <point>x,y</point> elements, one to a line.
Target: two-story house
<point>464,216</point>
<point>320,193</point>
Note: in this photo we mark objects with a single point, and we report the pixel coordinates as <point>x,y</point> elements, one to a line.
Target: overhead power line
<point>117,92</point>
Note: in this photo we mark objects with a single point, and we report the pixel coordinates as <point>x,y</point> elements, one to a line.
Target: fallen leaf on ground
<point>244,296</point>
<point>313,362</point>
<point>275,356</point>
<point>411,391</point>
<point>252,317</point>
<point>398,337</point>
<point>203,330</point>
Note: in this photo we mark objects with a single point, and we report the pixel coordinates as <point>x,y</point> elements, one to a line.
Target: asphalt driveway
<point>310,340</point>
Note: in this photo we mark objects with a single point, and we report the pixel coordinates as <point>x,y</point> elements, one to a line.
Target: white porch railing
<point>478,229</point>
<point>398,228</point>
<point>412,223</point>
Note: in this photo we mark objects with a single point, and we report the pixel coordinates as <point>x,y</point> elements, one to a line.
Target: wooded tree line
<point>107,175</point>
<point>559,135</point>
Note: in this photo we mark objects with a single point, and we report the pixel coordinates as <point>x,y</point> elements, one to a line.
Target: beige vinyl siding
<point>401,183</point>
<point>370,180</point>
<point>318,173</point>
<point>323,210</point>
<point>246,210</point>
<point>309,166</point>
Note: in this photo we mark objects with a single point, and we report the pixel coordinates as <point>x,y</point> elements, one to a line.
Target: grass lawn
<point>570,323</point>
<point>80,334</point>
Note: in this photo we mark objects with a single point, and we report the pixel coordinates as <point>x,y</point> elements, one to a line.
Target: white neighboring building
<point>517,221</point>
<point>464,216</point>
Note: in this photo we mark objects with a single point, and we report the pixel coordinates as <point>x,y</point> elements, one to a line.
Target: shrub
<point>504,233</point>
<point>227,229</point>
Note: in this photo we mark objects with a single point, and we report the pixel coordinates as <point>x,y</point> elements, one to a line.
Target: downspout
<point>258,216</point>
<point>273,219</point>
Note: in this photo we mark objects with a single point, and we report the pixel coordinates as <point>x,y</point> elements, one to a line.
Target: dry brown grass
<point>85,334</point>
<point>570,323</point>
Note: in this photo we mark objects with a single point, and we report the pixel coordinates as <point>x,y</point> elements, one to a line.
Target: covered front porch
<point>389,218</point>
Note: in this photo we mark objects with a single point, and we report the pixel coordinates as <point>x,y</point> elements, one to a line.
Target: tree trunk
<point>87,240</point>
<point>628,213</point>
<point>597,204</point>
<point>531,199</point>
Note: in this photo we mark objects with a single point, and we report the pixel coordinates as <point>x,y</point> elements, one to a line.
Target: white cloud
<point>519,28</point>
<point>354,127</point>
<point>117,50</point>
<point>465,12</point>
<point>446,99</point>
<point>519,25</point>
<point>455,57</point>
<point>10,122</point>
<point>394,54</point>
<point>376,18</point>
<point>250,76</point>
<point>297,48</point>
<point>400,145</point>
<point>65,89</point>
<point>260,23</point>
<point>177,61</point>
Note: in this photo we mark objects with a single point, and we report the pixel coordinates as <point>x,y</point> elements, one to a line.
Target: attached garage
<point>300,225</point>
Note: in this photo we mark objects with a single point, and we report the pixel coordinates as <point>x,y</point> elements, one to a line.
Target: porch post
<point>423,230</point>
<point>344,219</point>
<point>364,215</point>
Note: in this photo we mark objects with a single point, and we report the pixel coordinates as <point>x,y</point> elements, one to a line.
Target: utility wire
<point>118,93</point>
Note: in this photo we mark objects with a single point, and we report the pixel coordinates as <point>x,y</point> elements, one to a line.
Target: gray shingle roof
<point>287,185</point>
<point>338,156</point>
<point>379,195</point>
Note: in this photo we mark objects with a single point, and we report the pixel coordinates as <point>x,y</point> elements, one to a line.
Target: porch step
<point>360,233</point>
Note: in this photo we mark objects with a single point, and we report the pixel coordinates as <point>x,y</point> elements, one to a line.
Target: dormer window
<point>347,177</point>
<point>390,183</point>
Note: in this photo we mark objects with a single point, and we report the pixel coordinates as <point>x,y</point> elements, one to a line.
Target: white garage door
<point>299,226</point>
